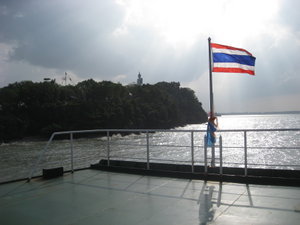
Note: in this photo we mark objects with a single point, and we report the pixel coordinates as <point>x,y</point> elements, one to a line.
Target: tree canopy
<point>38,109</point>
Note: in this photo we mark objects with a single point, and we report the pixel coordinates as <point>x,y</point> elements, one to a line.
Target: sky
<point>164,40</point>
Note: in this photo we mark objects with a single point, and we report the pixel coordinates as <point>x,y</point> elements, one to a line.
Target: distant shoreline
<point>259,113</point>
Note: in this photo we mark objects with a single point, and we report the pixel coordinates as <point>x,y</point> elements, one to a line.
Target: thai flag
<point>227,59</point>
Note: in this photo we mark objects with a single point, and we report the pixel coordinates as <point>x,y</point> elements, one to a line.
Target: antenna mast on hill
<point>66,77</point>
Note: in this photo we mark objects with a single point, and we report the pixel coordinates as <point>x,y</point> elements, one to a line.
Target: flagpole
<point>211,96</point>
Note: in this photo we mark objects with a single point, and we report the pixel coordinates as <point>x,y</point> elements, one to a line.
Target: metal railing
<point>195,143</point>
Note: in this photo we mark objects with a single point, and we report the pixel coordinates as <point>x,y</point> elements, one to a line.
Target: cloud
<point>64,34</point>
<point>165,40</point>
<point>289,15</point>
<point>87,38</point>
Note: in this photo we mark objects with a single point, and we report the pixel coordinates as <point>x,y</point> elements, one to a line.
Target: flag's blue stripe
<point>227,58</point>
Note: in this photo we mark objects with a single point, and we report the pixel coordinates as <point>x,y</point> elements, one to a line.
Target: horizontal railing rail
<point>194,143</point>
<point>167,130</point>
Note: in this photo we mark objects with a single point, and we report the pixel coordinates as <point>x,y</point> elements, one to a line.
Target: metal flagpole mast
<point>211,96</point>
<point>211,99</point>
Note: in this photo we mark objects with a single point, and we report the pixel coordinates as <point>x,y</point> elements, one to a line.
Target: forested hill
<point>38,109</point>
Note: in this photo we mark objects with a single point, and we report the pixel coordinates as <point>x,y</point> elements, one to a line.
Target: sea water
<point>265,149</point>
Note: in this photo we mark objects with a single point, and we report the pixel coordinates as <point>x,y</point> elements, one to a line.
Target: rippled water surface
<point>265,149</point>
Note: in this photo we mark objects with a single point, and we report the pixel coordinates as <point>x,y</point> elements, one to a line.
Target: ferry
<point>133,191</point>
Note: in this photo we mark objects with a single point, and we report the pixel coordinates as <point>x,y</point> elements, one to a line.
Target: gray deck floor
<point>96,197</point>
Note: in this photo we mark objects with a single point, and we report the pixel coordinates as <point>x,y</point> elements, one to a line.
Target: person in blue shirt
<point>212,126</point>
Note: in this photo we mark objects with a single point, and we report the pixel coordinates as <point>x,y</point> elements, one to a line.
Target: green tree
<point>38,109</point>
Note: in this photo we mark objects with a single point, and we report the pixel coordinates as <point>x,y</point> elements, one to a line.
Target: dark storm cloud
<point>81,37</point>
<point>62,34</point>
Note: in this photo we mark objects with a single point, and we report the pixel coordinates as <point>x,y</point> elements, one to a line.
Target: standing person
<point>212,126</point>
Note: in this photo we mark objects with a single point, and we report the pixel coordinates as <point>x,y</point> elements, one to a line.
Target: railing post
<point>205,154</point>
<point>245,153</point>
<point>221,155</point>
<point>192,150</point>
<point>108,149</point>
<point>213,160</point>
<point>148,153</point>
<point>71,142</point>
<point>31,173</point>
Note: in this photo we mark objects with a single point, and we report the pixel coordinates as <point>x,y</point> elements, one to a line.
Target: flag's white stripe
<point>233,65</point>
<point>229,51</point>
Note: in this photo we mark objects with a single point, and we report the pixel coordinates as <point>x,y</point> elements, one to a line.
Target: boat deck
<point>100,197</point>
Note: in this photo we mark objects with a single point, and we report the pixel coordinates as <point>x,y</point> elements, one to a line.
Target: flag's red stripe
<point>214,45</point>
<point>232,70</point>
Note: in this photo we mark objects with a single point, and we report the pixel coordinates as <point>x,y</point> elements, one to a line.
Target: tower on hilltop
<point>139,80</point>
